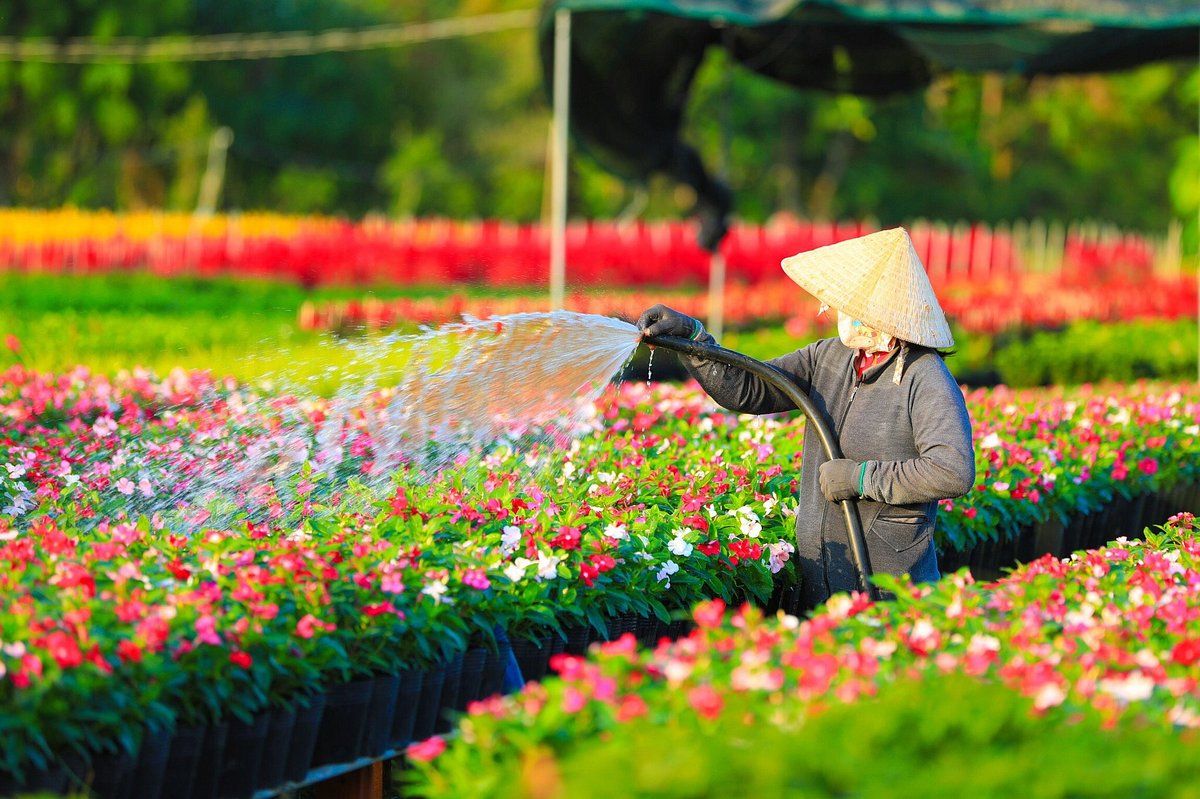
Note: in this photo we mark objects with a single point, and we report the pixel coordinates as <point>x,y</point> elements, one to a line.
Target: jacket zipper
<point>845,413</point>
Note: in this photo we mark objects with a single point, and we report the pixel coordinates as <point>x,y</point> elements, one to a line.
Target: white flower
<point>1192,430</point>
<point>1000,486</point>
<point>747,521</point>
<point>1136,687</point>
<point>516,570</point>
<point>617,531</point>
<point>607,478</point>
<point>769,505</point>
<point>668,568</point>
<point>15,470</point>
<point>435,589</point>
<point>991,441</point>
<point>983,643</point>
<point>1049,695</point>
<point>679,546</point>
<point>510,538</point>
<point>547,566</point>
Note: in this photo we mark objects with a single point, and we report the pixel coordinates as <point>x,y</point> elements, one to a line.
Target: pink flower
<point>125,486</point>
<point>1148,465</point>
<point>706,701</point>
<point>426,750</point>
<point>206,630</point>
<point>476,578</point>
<point>709,614</point>
<point>307,625</point>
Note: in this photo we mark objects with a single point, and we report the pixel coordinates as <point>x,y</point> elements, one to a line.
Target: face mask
<point>858,336</point>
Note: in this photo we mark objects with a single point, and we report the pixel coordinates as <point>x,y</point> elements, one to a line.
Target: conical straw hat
<point>878,279</point>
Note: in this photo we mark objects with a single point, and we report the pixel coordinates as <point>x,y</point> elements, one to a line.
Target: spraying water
<point>418,403</point>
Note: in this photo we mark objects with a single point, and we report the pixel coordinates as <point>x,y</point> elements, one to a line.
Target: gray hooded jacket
<point>914,435</point>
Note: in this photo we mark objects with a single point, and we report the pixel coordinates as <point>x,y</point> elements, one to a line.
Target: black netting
<point>632,61</point>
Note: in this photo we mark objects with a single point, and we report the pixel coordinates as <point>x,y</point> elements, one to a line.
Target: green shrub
<point>1089,352</point>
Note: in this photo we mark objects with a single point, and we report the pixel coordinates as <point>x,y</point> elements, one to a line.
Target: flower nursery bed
<point>151,635</point>
<point>1010,688</point>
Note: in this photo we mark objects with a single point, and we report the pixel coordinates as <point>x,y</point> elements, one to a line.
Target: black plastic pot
<point>408,699</point>
<point>679,628</point>
<point>112,773</point>
<point>649,629</point>
<point>183,756</point>
<point>472,677</point>
<point>149,776</point>
<point>494,667</point>
<point>208,765</point>
<point>339,739</point>
<point>533,656</point>
<point>243,756</point>
<point>277,746</point>
<point>304,737</point>
<point>577,640</point>
<point>380,713</point>
<point>449,698</point>
<point>430,703</point>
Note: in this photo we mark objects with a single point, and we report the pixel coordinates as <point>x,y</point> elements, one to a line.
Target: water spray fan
<point>764,371</point>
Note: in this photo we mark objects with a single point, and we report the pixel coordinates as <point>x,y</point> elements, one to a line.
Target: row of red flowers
<point>1029,301</point>
<point>1113,632</point>
<point>314,250</point>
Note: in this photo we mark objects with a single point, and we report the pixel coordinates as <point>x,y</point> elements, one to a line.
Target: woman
<point>884,388</point>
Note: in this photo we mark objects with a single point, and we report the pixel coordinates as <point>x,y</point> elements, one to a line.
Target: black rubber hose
<point>764,371</point>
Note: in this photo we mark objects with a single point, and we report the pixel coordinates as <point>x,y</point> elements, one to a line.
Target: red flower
<point>64,649</point>
<point>710,548</point>
<point>568,538</point>
<point>129,652</point>
<point>603,563</point>
<point>241,659</point>
<point>1148,465</point>
<point>13,343</point>
<point>588,573</point>
<point>1186,652</point>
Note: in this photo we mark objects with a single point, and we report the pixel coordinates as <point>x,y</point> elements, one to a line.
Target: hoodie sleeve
<point>945,467</point>
<point>742,392</point>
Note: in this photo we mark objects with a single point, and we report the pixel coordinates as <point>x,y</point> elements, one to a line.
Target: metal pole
<point>716,295</point>
<point>829,442</point>
<point>214,172</point>
<point>716,261</point>
<point>558,166</point>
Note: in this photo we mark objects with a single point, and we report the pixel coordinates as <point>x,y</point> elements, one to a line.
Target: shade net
<point>633,61</point>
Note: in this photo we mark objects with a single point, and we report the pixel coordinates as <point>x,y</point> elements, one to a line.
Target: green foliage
<point>1091,351</point>
<point>940,736</point>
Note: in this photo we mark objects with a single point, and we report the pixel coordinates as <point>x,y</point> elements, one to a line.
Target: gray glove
<point>663,321</point>
<point>839,479</point>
